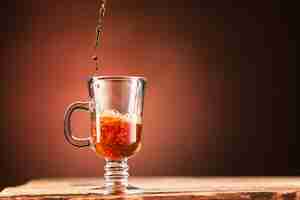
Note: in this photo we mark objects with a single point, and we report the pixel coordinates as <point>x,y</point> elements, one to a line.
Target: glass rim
<point>119,78</point>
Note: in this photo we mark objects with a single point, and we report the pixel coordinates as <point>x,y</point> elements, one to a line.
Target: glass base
<point>128,190</point>
<point>122,190</point>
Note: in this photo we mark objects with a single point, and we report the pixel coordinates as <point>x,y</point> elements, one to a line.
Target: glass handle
<point>78,142</point>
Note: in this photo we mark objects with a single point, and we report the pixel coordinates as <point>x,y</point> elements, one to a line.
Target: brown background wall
<point>221,89</point>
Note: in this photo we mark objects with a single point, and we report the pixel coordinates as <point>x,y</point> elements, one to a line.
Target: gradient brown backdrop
<point>220,98</point>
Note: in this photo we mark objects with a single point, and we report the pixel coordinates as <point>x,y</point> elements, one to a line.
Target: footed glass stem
<point>116,178</point>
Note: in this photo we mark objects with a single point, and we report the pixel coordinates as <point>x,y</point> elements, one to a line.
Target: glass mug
<point>116,110</point>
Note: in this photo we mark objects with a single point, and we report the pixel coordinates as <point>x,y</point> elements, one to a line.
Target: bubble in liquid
<point>128,117</point>
<point>131,117</point>
<point>111,113</point>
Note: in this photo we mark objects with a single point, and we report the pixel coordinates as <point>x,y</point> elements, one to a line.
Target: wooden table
<point>163,188</point>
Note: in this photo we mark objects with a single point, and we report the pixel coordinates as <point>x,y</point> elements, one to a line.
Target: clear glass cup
<point>116,110</point>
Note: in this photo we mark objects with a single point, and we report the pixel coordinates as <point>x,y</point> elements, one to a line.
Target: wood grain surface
<point>164,188</point>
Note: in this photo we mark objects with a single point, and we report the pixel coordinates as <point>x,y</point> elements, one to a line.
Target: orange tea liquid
<point>118,137</point>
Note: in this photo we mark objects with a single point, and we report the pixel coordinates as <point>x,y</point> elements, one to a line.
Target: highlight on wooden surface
<point>167,188</point>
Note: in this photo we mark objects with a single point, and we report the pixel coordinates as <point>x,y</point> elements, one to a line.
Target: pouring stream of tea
<point>99,33</point>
